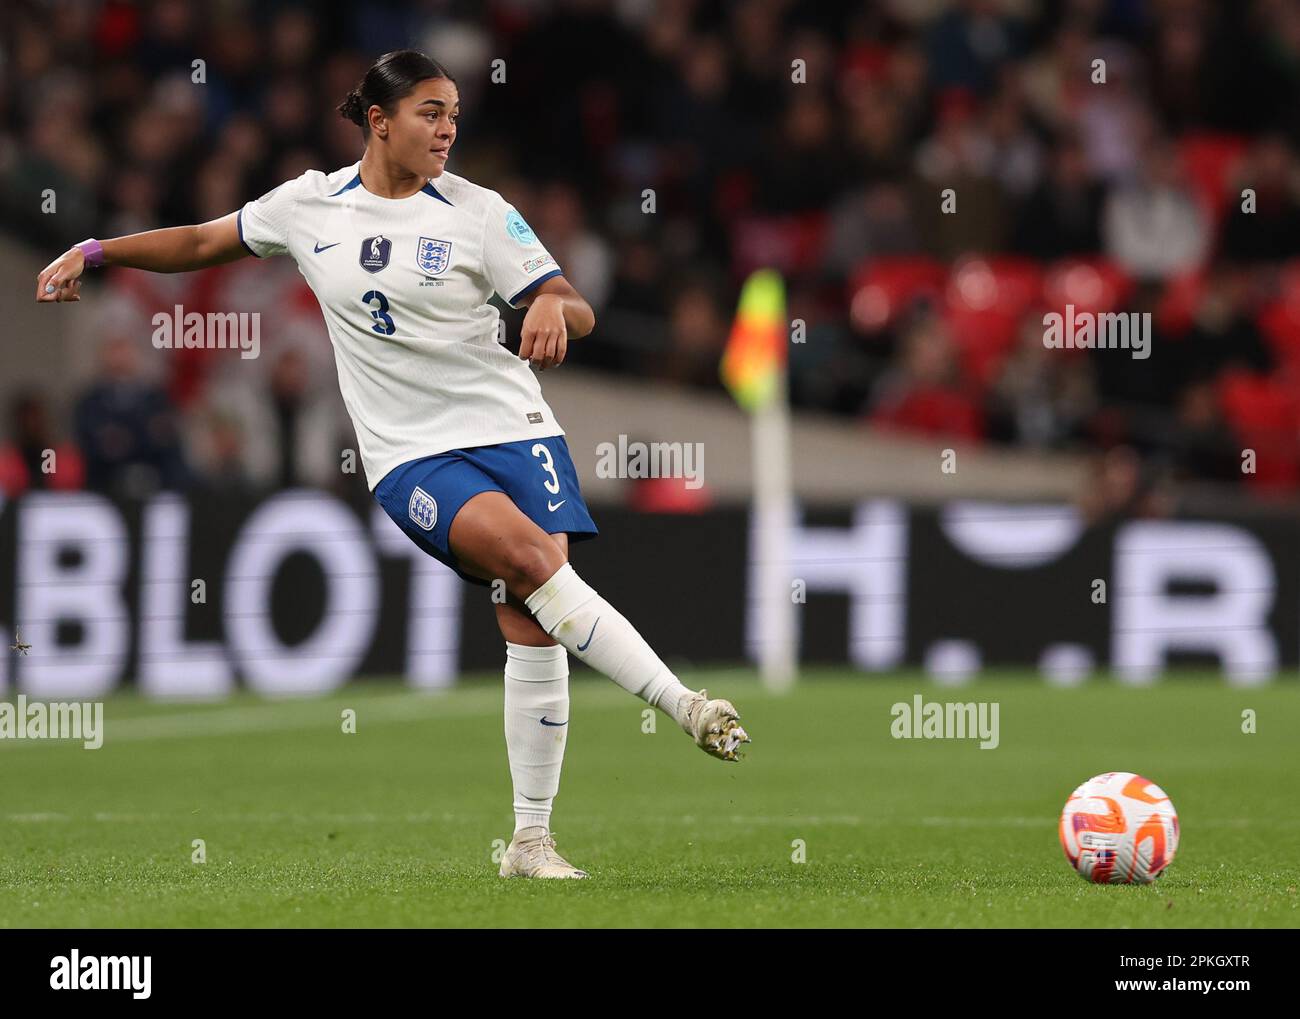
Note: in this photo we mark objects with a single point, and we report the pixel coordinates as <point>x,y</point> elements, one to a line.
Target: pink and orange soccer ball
<point>1119,828</point>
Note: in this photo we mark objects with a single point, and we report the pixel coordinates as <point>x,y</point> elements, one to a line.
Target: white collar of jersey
<point>355,182</point>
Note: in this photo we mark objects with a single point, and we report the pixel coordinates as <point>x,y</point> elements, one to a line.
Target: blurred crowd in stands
<point>1134,155</point>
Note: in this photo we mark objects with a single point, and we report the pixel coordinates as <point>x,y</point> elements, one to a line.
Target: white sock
<point>572,612</point>
<point>537,687</point>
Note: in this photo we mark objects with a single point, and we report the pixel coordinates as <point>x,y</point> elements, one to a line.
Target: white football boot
<point>715,726</point>
<point>532,854</point>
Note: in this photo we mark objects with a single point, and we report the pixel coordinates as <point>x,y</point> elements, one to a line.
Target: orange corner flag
<point>756,350</point>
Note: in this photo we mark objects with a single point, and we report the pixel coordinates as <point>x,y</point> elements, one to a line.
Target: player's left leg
<point>537,728</point>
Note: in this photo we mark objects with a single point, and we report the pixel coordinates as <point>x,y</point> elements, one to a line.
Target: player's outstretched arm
<point>556,314</point>
<point>176,249</point>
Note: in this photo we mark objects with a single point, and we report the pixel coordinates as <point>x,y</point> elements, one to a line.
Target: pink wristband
<point>93,250</point>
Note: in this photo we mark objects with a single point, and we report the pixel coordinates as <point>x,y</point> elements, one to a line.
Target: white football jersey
<point>404,284</point>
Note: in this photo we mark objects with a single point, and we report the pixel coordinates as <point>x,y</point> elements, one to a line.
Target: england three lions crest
<point>423,509</point>
<point>433,256</point>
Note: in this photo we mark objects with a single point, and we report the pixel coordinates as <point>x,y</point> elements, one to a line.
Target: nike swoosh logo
<point>583,647</point>
<point>545,722</point>
<point>556,506</point>
<point>319,249</point>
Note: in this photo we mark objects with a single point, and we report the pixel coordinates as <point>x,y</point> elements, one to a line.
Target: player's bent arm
<point>579,319</point>
<point>175,249</point>
<point>556,314</point>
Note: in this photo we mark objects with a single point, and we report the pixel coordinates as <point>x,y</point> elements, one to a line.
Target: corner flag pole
<point>754,369</point>
<point>773,520</point>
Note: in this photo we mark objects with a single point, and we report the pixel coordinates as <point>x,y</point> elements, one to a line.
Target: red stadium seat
<point>1264,414</point>
<point>1279,320</point>
<point>864,62</point>
<point>883,289</point>
<point>1176,309</point>
<point>985,302</point>
<point>668,495</point>
<point>1280,325</point>
<point>1209,160</point>
<point>933,411</point>
<point>790,244</point>
<point>1093,285</point>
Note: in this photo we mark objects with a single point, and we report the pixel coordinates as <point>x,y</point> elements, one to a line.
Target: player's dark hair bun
<point>352,108</point>
<point>389,78</point>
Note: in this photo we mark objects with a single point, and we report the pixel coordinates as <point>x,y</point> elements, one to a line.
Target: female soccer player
<point>459,446</point>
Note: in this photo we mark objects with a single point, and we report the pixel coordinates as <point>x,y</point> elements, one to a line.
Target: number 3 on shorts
<point>548,465</point>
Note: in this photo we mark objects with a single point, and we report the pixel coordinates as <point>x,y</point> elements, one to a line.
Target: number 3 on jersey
<point>378,305</point>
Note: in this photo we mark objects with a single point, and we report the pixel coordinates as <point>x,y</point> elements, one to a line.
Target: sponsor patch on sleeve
<point>534,264</point>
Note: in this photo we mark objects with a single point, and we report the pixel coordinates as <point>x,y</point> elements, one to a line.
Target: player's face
<point>424,127</point>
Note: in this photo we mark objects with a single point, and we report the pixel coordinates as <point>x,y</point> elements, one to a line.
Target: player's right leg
<point>493,539</point>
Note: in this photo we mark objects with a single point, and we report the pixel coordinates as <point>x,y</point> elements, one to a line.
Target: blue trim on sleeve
<point>535,284</point>
<point>354,182</point>
<point>429,189</point>
<point>239,224</point>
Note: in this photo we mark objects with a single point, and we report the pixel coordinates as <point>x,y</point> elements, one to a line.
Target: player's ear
<point>378,122</point>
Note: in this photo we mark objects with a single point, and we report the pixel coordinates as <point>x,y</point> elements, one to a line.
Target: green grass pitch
<point>394,825</point>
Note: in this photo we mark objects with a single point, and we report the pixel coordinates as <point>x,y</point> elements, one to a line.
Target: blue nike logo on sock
<point>319,249</point>
<point>545,722</point>
<point>583,647</point>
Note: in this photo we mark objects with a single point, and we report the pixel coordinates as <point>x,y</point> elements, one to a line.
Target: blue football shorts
<point>424,496</point>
